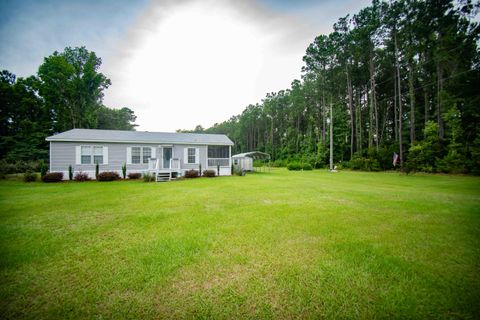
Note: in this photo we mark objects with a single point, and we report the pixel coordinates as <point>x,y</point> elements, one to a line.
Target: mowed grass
<point>273,245</point>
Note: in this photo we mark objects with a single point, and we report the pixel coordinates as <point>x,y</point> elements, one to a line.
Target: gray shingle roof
<point>97,135</point>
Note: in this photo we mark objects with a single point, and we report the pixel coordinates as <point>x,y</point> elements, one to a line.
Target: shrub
<point>97,170</point>
<point>108,176</point>
<point>258,163</point>
<point>29,176</point>
<point>43,168</point>
<point>209,173</point>
<point>191,174</point>
<point>81,176</point>
<point>70,173</point>
<point>279,163</point>
<point>53,177</point>
<point>124,172</point>
<point>453,162</point>
<point>365,164</point>
<point>18,167</point>
<point>134,175</point>
<point>307,166</point>
<point>147,177</point>
<point>294,166</point>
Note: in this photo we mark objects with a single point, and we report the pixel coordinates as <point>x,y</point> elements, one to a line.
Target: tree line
<point>401,77</point>
<point>66,93</point>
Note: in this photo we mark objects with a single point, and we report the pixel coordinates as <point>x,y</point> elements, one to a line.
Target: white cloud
<point>202,62</point>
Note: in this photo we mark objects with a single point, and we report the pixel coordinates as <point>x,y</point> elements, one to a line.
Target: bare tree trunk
<point>426,106</point>
<point>374,96</point>
<point>400,111</point>
<point>370,118</point>
<point>324,120</point>
<point>395,121</point>
<point>272,150</point>
<point>412,102</point>
<point>360,133</point>
<point>352,118</point>
<point>441,131</point>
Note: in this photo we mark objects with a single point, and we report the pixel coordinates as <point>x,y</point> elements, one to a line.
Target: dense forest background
<point>66,93</point>
<point>401,77</point>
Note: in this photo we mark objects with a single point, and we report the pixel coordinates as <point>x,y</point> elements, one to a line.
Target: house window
<point>191,155</point>
<point>218,152</point>
<point>147,154</point>
<point>91,154</point>
<point>98,155</point>
<point>136,152</point>
<point>86,155</point>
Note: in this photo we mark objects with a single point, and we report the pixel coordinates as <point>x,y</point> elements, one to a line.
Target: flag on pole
<point>395,159</point>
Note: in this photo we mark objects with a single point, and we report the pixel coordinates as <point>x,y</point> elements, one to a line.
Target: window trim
<point>142,157</point>
<point>92,154</point>
<point>194,155</point>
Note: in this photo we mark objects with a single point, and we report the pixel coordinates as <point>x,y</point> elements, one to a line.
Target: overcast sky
<point>176,63</point>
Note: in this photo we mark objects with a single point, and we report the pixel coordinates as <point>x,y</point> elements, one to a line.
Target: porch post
<point>230,157</point>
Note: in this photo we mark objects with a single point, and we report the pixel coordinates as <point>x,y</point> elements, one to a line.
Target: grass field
<point>273,245</point>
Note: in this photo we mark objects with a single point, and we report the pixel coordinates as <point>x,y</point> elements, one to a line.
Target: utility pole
<point>331,136</point>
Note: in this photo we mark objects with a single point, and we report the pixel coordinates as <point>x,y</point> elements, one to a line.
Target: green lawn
<point>272,245</point>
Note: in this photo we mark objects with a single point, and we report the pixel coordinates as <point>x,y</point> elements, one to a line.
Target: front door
<point>167,155</point>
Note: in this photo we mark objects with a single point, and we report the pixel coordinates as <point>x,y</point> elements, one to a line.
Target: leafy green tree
<point>72,87</point>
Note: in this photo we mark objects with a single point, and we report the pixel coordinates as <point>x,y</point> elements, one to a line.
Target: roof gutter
<point>50,139</point>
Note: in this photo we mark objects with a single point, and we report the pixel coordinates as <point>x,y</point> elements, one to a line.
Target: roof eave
<point>55,139</point>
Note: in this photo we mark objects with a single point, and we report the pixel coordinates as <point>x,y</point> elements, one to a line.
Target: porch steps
<point>163,176</point>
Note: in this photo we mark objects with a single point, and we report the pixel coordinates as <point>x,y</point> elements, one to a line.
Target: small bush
<point>209,173</point>
<point>365,164</point>
<point>134,175</point>
<point>108,176</point>
<point>147,177</point>
<point>307,166</point>
<point>29,176</point>
<point>124,172</point>
<point>81,176</point>
<point>43,168</point>
<point>53,177</point>
<point>294,166</point>
<point>258,163</point>
<point>97,170</point>
<point>70,173</point>
<point>279,163</point>
<point>191,174</point>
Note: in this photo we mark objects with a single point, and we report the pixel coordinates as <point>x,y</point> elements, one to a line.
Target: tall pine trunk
<point>395,118</point>
<point>352,116</point>
<point>400,111</point>
<point>441,130</point>
<point>412,102</point>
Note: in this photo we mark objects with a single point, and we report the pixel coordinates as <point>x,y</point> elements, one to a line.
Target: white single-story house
<point>165,154</point>
<point>244,161</point>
